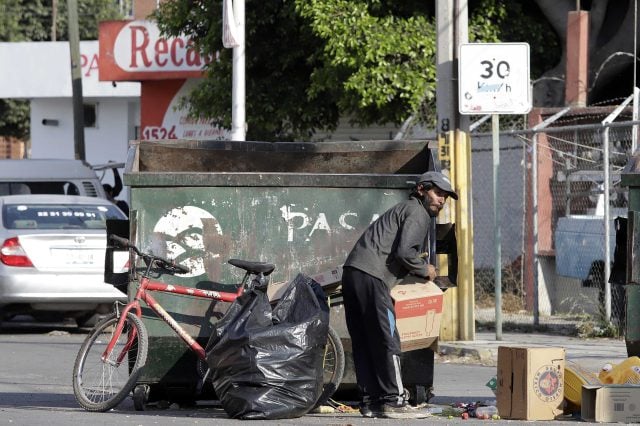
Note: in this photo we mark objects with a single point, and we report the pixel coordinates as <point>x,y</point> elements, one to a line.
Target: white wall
<point>107,141</point>
<point>51,141</point>
<point>42,70</point>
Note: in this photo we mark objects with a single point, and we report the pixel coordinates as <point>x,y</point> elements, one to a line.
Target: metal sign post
<point>494,79</point>
<point>497,271</point>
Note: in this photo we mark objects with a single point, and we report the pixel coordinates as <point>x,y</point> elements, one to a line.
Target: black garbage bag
<point>268,363</point>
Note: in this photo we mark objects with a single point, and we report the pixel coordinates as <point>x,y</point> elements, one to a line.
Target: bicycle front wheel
<point>100,385</point>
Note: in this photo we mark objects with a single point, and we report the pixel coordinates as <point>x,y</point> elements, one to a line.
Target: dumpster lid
<point>382,164</point>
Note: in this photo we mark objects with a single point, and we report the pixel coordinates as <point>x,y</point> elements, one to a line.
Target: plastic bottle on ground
<point>486,412</point>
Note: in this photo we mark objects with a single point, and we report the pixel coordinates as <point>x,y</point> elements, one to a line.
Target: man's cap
<point>439,180</point>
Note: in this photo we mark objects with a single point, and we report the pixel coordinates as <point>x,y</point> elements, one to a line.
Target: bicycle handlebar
<point>123,242</point>
<point>163,262</point>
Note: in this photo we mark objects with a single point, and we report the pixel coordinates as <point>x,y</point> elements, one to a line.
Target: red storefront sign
<point>135,51</point>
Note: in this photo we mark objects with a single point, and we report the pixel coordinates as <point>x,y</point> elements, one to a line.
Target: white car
<point>52,255</point>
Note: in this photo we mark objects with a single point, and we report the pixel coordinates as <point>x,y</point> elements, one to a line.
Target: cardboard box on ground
<point>530,383</point>
<point>611,403</point>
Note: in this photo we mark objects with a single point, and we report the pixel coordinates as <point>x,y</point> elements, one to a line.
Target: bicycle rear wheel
<point>333,366</point>
<point>101,385</point>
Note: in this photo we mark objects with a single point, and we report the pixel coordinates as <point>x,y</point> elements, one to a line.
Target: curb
<point>486,356</point>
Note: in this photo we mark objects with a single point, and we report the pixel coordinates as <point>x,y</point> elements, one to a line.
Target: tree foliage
<point>381,61</point>
<point>32,20</point>
<point>310,62</point>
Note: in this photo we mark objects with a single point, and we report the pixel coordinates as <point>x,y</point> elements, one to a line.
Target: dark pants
<point>371,322</point>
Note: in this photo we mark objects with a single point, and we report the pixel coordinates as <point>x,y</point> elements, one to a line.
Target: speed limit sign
<point>493,78</point>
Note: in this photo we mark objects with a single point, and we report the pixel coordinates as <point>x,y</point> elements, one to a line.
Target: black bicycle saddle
<point>253,267</point>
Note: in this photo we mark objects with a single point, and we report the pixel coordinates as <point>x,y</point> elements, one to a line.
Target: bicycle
<point>113,354</point>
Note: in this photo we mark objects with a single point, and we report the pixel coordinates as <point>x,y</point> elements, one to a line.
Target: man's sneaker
<point>369,409</point>
<point>391,410</point>
<point>365,411</point>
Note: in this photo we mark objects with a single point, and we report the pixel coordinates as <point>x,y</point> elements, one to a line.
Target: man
<point>392,247</point>
<point>113,191</point>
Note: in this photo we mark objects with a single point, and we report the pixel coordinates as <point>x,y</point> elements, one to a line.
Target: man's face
<point>434,200</point>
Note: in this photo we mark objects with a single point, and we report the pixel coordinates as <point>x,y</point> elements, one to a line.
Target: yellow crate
<point>574,377</point>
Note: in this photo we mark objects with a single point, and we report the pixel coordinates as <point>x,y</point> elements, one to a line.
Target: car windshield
<point>58,216</point>
<point>22,188</point>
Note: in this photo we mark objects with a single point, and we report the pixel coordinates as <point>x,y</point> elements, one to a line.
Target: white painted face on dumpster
<point>182,230</point>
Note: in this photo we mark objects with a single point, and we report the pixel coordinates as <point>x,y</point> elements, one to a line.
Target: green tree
<point>310,62</point>
<point>90,14</point>
<point>31,20</point>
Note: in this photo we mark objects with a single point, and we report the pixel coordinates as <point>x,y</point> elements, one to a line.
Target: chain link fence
<point>511,189</point>
<point>552,235</point>
<point>575,154</point>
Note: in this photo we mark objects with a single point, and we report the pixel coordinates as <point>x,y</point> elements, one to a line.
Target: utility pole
<point>54,19</point>
<point>76,81</point>
<point>454,154</point>
<point>233,35</point>
<point>238,112</point>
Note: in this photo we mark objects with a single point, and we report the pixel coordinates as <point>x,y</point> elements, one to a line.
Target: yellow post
<point>458,319</point>
<point>449,329</point>
<point>464,237</point>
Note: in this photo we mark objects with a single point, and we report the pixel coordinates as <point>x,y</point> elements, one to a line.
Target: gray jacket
<point>394,245</point>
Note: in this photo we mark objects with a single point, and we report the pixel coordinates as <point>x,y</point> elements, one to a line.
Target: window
<point>91,115</point>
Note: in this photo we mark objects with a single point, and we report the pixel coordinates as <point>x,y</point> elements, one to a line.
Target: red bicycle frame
<point>147,285</point>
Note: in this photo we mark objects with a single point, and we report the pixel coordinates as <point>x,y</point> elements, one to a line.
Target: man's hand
<point>432,272</point>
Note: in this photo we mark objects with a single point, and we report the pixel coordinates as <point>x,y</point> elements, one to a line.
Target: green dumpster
<point>631,178</point>
<point>300,206</point>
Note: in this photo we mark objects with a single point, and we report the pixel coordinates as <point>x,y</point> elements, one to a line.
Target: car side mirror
<point>116,259</point>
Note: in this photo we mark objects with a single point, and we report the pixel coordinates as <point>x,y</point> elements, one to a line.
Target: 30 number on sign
<point>502,69</point>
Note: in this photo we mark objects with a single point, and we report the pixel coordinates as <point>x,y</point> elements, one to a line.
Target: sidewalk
<point>590,353</point>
